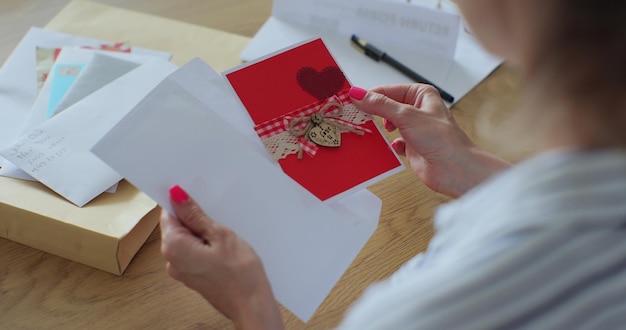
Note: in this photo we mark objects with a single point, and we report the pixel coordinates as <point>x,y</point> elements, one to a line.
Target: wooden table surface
<point>42,291</point>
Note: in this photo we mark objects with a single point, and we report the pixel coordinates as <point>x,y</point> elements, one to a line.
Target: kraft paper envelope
<point>105,234</point>
<point>18,79</point>
<point>56,152</point>
<point>176,137</point>
<point>471,64</point>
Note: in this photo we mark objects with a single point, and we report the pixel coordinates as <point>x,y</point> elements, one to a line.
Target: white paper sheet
<point>56,152</point>
<point>18,81</point>
<point>175,136</point>
<point>471,64</point>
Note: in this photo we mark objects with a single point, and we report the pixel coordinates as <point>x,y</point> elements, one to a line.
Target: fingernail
<point>178,195</point>
<point>357,92</point>
<point>398,146</point>
<point>387,125</point>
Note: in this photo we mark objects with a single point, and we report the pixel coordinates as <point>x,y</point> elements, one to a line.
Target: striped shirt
<point>540,246</point>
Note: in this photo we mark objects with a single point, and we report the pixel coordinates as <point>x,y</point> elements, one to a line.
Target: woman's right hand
<point>437,149</point>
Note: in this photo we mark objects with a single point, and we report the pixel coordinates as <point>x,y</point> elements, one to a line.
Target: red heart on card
<point>321,84</point>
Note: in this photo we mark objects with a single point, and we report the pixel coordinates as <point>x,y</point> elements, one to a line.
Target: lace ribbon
<point>280,143</point>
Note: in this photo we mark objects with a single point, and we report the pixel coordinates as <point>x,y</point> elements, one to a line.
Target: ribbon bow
<point>321,128</point>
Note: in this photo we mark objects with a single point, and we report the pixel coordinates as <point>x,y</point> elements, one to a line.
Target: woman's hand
<point>439,152</point>
<point>214,261</point>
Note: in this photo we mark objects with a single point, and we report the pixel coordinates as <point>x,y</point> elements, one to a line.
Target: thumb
<point>190,214</point>
<point>378,104</point>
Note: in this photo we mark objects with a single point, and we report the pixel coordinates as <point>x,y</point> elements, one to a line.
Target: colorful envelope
<point>298,100</point>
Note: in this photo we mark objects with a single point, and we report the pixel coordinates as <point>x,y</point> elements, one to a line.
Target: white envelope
<point>417,29</point>
<point>94,69</point>
<point>470,65</point>
<point>18,81</point>
<point>56,152</point>
<point>178,135</point>
<point>101,69</point>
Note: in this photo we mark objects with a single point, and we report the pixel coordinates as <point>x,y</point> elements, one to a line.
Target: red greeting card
<point>299,104</point>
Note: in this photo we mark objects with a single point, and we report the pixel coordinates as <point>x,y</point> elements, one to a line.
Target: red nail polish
<point>387,125</point>
<point>357,92</point>
<point>178,195</point>
<point>397,146</point>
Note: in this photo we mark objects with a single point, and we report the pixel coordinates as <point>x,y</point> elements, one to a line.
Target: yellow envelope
<point>105,234</point>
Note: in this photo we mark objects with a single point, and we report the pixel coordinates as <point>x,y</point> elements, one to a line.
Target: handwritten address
<point>36,151</point>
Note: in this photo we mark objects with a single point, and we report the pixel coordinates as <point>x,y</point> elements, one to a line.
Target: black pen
<point>378,55</point>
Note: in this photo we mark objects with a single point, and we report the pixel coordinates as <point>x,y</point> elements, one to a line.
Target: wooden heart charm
<point>325,135</point>
<point>321,84</point>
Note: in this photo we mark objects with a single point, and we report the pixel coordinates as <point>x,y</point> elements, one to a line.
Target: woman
<point>541,245</point>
